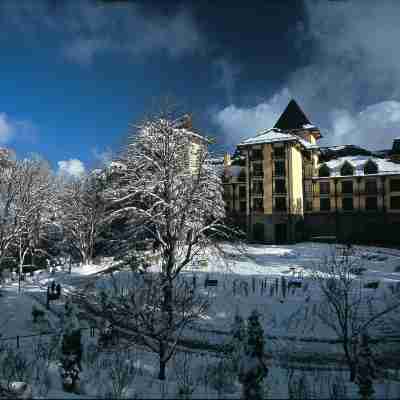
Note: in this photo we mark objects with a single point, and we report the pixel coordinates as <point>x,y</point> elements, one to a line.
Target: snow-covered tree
<point>81,213</point>
<point>26,191</point>
<point>253,370</point>
<point>239,336</point>
<point>168,193</point>
<point>346,307</point>
<point>71,349</point>
<point>135,303</point>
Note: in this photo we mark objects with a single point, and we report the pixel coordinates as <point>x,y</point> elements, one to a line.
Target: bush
<point>37,314</point>
<point>221,377</point>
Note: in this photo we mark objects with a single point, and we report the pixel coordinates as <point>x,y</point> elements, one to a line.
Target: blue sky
<point>76,73</point>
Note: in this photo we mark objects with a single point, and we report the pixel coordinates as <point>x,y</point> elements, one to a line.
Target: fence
<point>18,338</point>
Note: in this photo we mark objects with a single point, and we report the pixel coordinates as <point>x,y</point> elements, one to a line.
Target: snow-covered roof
<point>358,163</point>
<point>191,133</point>
<point>276,135</point>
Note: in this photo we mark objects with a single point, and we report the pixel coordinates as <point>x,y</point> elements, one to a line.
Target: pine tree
<point>71,349</point>
<point>365,370</point>
<point>238,332</point>
<point>252,369</point>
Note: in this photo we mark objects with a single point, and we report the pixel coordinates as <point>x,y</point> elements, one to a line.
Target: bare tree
<point>81,209</point>
<point>26,187</point>
<point>347,307</point>
<point>169,193</point>
<point>135,303</point>
<point>32,209</point>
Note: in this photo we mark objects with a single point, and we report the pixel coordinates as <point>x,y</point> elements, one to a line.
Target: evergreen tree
<point>252,369</point>
<point>365,370</point>
<point>71,349</point>
<point>239,333</point>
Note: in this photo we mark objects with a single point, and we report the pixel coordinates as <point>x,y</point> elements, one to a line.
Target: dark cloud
<point>350,83</point>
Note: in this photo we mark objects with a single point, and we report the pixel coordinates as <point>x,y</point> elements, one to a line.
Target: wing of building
<point>280,186</point>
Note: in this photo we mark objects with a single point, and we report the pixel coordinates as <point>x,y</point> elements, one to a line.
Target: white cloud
<point>104,158</point>
<point>238,123</point>
<point>7,129</point>
<point>72,167</point>
<point>87,29</point>
<point>351,86</point>
<point>228,74</point>
<point>12,129</point>
<point>377,125</point>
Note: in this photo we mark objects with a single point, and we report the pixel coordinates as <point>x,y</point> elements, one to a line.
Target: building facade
<point>281,186</point>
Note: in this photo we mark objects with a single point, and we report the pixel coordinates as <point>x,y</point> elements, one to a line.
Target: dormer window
<point>370,168</point>
<point>346,169</point>
<point>324,170</point>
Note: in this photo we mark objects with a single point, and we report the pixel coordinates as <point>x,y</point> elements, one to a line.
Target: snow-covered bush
<point>121,372</point>
<point>239,336</point>
<point>298,387</point>
<point>71,350</point>
<point>252,369</point>
<point>14,366</point>
<point>222,377</point>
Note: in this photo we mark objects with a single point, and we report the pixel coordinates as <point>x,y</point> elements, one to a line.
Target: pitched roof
<point>293,118</point>
<point>275,135</point>
<point>358,162</point>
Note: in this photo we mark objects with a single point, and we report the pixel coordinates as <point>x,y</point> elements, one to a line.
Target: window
<point>258,205</point>
<point>242,192</point>
<point>258,188</point>
<point>280,169</point>
<point>324,170</point>
<point>395,202</point>
<point>347,204</point>
<point>324,187</point>
<point>257,154</point>
<point>242,176</point>
<point>395,185</point>
<point>370,168</point>
<point>324,204</point>
<point>280,203</point>
<point>346,169</point>
<point>347,186</point>
<point>280,186</point>
<point>371,187</point>
<point>308,187</point>
<point>371,203</point>
<point>243,206</point>
<point>309,205</point>
<point>257,169</point>
<point>279,152</point>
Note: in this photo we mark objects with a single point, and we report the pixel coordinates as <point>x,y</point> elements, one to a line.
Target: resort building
<point>281,186</point>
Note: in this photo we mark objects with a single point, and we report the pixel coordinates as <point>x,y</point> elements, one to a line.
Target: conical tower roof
<point>292,118</point>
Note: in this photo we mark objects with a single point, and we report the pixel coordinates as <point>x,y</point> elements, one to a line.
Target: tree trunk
<point>163,363</point>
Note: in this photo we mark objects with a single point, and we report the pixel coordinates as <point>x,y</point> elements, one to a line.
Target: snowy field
<point>245,281</point>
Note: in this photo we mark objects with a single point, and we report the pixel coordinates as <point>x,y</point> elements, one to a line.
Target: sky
<point>76,74</point>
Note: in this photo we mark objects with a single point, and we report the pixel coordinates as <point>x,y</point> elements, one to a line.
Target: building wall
<point>295,180</point>
<point>304,217</point>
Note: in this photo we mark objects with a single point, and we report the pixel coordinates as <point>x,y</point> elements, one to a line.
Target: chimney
<point>227,160</point>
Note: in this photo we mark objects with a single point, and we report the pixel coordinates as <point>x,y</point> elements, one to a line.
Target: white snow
<point>385,167</point>
<point>293,316</point>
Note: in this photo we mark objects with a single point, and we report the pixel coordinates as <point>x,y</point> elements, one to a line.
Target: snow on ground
<point>241,271</point>
<point>293,316</point>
